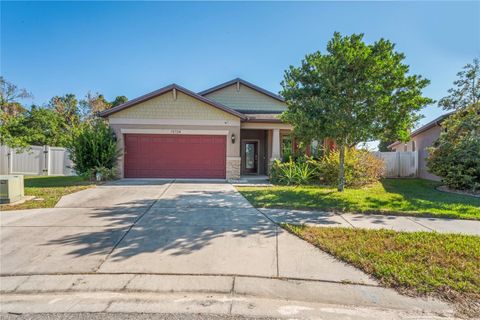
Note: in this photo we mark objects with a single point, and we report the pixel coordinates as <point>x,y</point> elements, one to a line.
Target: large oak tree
<point>354,92</point>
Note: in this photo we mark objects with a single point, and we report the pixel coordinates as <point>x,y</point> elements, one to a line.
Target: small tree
<point>467,88</point>
<point>94,148</point>
<point>353,93</point>
<point>455,156</point>
<point>67,107</point>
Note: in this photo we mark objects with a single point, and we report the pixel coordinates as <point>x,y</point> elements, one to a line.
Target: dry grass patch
<point>415,263</point>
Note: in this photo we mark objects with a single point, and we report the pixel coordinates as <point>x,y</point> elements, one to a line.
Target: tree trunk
<point>341,171</point>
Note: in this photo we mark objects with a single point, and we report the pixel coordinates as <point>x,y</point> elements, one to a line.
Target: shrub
<point>455,156</point>
<point>293,172</point>
<point>94,150</point>
<point>361,168</point>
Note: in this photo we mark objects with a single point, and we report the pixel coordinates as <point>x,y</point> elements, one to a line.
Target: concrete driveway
<point>161,227</point>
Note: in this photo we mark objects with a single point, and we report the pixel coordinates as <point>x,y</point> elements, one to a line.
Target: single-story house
<point>224,132</point>
<point>420,140</point>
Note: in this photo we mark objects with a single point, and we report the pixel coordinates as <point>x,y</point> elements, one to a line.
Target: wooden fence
<point>36,160</point>
<point>400,164</point>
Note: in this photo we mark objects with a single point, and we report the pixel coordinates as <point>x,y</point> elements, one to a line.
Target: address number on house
<point>176,131</point>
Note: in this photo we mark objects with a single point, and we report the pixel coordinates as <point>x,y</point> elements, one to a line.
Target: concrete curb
<point>353,295</point>
<point>196,303</point>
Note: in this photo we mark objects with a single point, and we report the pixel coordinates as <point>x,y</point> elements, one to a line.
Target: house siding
<point>423,141</point>
<point>166,107</point>
<point>246,99</point>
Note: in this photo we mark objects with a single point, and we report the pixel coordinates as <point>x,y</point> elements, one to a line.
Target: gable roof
<point>245,83</point>
<point>425,127</point>
<point>163,90</point>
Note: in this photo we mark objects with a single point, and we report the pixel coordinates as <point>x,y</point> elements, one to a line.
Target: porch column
<point>275,144</point>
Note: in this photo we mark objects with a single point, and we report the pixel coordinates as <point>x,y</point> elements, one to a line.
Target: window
<point>413,145</point>
<point>315,149</point>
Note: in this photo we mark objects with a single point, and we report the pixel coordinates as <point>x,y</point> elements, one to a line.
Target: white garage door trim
<point>175,122</point>
<point>176,131</point>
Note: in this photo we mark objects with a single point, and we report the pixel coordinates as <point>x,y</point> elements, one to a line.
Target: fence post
<point>416,163</point>
<point>10,160</point>
<point>46,162</point>
<point>399,163</point>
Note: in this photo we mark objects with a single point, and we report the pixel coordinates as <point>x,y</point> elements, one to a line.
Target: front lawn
<point>415,197</point>
<point>50,189</point>
<point>418,263</point>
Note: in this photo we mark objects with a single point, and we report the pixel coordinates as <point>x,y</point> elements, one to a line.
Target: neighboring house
<point>420,140</point>
<point>226,131</point>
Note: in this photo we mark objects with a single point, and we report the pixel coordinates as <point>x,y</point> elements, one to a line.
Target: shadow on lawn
<point>178,224</point>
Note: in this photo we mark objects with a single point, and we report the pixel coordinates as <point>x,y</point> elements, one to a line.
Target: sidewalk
<point>372,221</point>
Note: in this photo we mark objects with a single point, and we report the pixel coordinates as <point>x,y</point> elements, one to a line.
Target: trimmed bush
<point>94,150</point>
<point>455,156</point>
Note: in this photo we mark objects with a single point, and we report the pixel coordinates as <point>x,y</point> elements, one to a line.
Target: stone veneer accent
<point>233,168</point>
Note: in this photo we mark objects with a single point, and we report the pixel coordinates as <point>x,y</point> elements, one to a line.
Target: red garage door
<point>174,156</point>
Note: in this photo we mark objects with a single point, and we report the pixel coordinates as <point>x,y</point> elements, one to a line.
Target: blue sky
<point>126,48</point>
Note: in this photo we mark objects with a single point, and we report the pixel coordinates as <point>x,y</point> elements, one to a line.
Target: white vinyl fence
<point>400,164</point>
<point>36,160</point>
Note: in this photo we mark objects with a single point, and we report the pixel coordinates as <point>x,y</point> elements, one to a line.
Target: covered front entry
<point>175,156</point>
<point>254,152</point>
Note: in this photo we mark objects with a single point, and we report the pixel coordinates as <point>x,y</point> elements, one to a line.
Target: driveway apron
<point>198,228</point>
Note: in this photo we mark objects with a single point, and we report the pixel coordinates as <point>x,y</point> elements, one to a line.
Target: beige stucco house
<point>227,131</point>
<point>420,140</point>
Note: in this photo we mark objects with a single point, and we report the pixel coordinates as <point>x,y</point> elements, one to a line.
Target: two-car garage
<point>176,133</point>
<point>174,156</point>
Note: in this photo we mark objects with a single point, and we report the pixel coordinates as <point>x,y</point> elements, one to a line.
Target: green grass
<point>418,263</point>
<point>50,189</point>
<point>413,197</point>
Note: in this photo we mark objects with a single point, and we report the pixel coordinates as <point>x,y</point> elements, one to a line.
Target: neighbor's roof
<point>424,128</point>
<point>163,90</point>
<point>245,83</point>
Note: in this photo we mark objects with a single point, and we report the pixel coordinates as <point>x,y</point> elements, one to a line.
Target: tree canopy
<point>354,92</point>
<point>9,96</point>
<point>37,126</point>
<point>53,124</point>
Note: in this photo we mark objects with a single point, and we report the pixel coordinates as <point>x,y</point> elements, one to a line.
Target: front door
<point>250,156</point>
